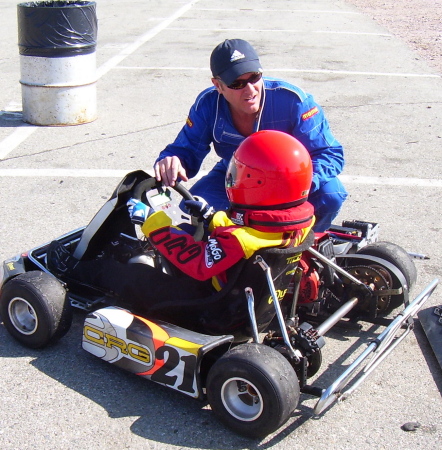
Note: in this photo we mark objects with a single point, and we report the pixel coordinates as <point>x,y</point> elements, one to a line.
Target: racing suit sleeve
<point>313,130</point>
<point>198,259</point>
<point>192,143</point>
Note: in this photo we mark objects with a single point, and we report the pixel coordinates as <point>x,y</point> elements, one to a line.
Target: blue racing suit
<point>284,107</point>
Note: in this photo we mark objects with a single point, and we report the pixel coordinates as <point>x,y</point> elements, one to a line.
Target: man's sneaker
<point>59,260</point>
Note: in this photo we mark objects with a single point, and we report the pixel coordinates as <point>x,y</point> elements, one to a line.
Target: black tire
<point>395,255</point>
<point>35,309</point>
<point>253,390</point>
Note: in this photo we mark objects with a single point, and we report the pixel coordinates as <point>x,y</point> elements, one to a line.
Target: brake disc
<point>378,279</point>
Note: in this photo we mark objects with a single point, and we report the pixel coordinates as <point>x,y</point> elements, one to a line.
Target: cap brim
<point>232,73</point>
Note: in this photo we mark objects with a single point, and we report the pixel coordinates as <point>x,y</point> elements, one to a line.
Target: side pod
<point>159,351</point>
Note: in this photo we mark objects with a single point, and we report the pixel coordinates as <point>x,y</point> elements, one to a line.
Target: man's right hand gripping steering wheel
<point>169,169</point>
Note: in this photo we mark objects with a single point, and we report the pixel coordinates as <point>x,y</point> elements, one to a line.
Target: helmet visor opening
<point>231,174</point>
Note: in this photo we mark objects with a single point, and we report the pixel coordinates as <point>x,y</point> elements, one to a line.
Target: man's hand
<point>169,169</point>
<point>138,211</point>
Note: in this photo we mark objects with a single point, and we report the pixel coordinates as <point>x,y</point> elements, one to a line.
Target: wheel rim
<point>241,399</point>
<point>23,316</point>
<point>376,277</point>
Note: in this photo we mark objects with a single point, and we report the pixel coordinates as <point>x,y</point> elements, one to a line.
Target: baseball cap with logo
<point>233,58</point>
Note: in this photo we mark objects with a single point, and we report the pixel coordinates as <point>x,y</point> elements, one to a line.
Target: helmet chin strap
<point>270,207</point>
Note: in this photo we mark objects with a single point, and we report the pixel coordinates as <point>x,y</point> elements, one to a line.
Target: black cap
<point>233,58</point>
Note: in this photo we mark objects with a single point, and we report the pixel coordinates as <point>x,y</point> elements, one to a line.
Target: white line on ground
<point>112,63</point>
<point>15,139</point>
<point>308,11</point>
<point>348,72</point>
<point>266,30</point>
<point>414,182</point>
<point>288,70</point>
<point>113,173</point>
<point>22,132</point>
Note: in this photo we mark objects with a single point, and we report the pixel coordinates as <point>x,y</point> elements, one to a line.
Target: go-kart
<point>248,349</point>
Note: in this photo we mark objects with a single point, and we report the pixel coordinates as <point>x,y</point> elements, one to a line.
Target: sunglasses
<point>241,84</point>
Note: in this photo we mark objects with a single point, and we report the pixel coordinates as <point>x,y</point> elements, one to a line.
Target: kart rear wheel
<point>35,309</point>
<point>395,255</point>
<point>253,390</point>
<point>398,257</point>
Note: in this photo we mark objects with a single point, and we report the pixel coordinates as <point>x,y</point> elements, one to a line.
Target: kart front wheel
<point>253,390</point>
<point>35,309</point>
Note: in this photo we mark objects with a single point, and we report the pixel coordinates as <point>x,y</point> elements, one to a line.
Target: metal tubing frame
<point>333,265</point>
<point>265,267</point>
<point>251,305</point>
<point>336,316</point>
<point>380,348</point>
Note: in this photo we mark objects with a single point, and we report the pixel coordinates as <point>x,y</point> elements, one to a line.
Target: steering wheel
<point>163,199</point>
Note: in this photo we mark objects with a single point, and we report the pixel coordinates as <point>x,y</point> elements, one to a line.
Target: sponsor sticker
<point>309,114</point>
<point>214,252</point>
<point>237,217</point>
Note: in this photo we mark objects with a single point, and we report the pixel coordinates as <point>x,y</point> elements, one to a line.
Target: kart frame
<point>183,359</point>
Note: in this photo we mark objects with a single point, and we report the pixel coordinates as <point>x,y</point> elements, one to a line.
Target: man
<point>239,103</point>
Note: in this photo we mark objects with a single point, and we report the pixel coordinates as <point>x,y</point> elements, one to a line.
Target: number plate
<point>159,351</point>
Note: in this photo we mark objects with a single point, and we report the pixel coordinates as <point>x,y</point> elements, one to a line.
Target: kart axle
<point>331,321</point>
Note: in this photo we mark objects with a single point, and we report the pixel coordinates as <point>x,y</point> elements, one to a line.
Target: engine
<point>316,276</point>
<point>310,283</point>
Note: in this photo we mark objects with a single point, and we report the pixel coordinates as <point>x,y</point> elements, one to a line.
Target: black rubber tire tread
<point>395,255</point>
<point>273,376</point>
<point>49,300</point>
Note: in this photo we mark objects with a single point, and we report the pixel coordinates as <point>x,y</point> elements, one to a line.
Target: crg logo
<point>106,340</point>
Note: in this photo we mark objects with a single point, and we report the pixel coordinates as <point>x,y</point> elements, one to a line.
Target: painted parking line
<point>277,30</point>
<point>135,45</point>
<point>267,10</point>
<point>412,182</point>
<point>11,142</point>
<point>120,173</point>
<point>289,70</point>
<point>22,132</point>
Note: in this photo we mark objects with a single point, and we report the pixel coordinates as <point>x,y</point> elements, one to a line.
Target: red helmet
<point>269,170</point>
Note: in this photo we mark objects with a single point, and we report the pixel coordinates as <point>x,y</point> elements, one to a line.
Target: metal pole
<point>337,316</point>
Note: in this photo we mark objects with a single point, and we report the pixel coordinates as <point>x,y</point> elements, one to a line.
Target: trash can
<point>57,43</point>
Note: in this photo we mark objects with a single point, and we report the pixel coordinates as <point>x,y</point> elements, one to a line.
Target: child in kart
<point>267,183</point>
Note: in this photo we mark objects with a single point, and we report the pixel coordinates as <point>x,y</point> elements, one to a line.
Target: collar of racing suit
<point>223,130</point>
<point>281,220</point>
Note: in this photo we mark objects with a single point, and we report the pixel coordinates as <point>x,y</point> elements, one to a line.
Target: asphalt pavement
<point>383,103</point>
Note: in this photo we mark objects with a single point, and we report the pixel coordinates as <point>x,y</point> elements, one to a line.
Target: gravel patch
<point>417,22</point>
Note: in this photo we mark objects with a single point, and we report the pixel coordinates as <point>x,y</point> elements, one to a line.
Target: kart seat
<point>110,221</point>
<point>226,312</point>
